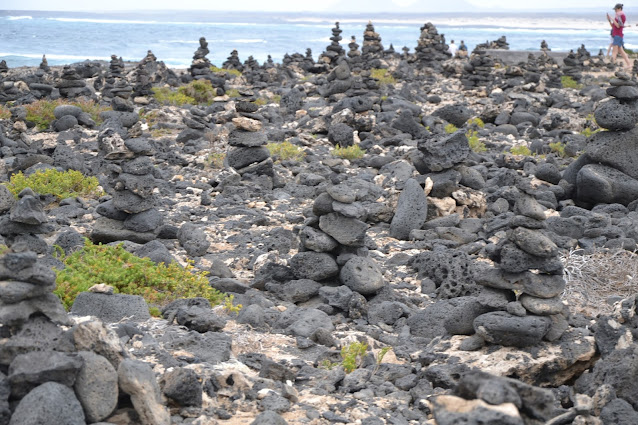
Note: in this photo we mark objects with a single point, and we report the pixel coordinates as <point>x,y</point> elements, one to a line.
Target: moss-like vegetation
<point>61,184</point>
<point>40,112</point>
<point>233,93</point>
<point>475,143</point>
<point>233,72</point>
<point>215,160</point>
<point>520,150</point>
<point>285,151</point>
<point>159,284</point>
<point>569,83</point>
<point>5,113</point>
<point>559,148</point>
<point>350,152</point>
<point>383,76</point>
<point>476,121</point>
<point>194,93</point>
<point>450,128</point>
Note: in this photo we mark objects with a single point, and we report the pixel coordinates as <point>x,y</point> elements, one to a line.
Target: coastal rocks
<point>431,48</point>
<point>200,67</point>
<point>372,49</point>
<point>411,212</point>
<point>247,152</point>
<point>605,173</point>
<point>339,80</point>
<point>334,50</point>
<point>478,71</point>
<point>117,86</point>
<point>71,84</point>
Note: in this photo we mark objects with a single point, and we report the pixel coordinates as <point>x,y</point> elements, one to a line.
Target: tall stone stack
<point>527,263</point>
<point>44,65</point>
<point>334,50</point>
<point>143,85</point>
<point>498,44</point>
<point>4,68</point>
<point>233,62</point>
<point>572,66</point>
<point>131,213</point>
<point>431,47</point>
<point>354,55</point>
<point>248,153</point>
<point>583,55</point>
<point>545,46</point>
<point>477,72</point>
<point>606,172</point>
<point>116,84</point>
<point>372,49</point>
<point>200,67</point>
<point>333,247</point>
<point>71,84</point>
<point>550,70</point>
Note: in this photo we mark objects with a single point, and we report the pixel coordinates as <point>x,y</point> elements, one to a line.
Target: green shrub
<point>475,143</point>
<point>558,147</point>
<point>520,150</point>
<point>5,113</point>
<point>350,153</point>
<point>61,184</point>
<point>451,128</point>
<point>286,151</point>
<point>476,121</point>
<point>168,96</point>
<point>569,83</point>
<point>159,284</point>
<point>233,93</point>
<point>40,112</point>
<point>202,91</point>
<point>382,76</point>
<point>352,355</point>
<point>233,72</point>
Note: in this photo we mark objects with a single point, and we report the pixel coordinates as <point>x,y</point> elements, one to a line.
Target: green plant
<point>520,150</point>
<point>588,132</point>
<point>215,160</point>
<point>155,312</point>
<point>233,93</point>
<point>384,98</point>
<point>233,72</point>
<point>450,128</point>
<point>168,96</point>
<point>382,75</point>
<point>202,91</point>
<point>5,113</point>
<point>352,355</point>
<point>229,306</point>
<point>40,112</point>
<point>569,83</point>
<point>476,121</point>
<point>158,133</point>
<point>380,355</point>
<point>475,143</point>
<point>558,147</point>
<point>61,184</point>
<point>159,284</point>
<point>260,101</point>
<point>285,150</point>
<point>328,365</point>
<point>350,152</point>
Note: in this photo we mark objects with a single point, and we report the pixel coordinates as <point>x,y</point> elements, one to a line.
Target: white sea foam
<point>137,22</point>
<point>248,40</point>
<point>55,57</point>
<point>17,18</point>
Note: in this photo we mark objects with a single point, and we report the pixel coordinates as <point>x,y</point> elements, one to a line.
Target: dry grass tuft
<point>591,278</point>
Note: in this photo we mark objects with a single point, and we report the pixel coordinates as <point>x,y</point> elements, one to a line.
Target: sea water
<point>68,37</point>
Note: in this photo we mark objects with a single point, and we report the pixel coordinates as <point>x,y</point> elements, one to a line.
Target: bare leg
<point>624,56</point>
<point>609,49</point>
<point>614,52</point>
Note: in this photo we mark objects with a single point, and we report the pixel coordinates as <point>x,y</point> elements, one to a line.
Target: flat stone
<point>96,386</point>
<point>533,242</point>
<point>111,308</point>
<point>505,329</point>
<point>347,231</point>
<point>542,306</point>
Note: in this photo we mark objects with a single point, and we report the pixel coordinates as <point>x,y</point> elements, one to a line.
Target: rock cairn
<point>572,67</point>
<point>477,72</point>
<point>143,85</point>
<point>200,67</point>
<point>431,48</point>
<point>606,173</point>
<point>545,46</point>
<point>339,80</point>
<point>499,44</point>
<point>71,84</point>
<point>354,55</point>
<point>44,65</point>
<point>233,62</point>
<point>247,152</point>
<point>526,262</point>
<point>372,49</point>
<point>116,84</point>
<point>130,214</point>
<point>333,50</point>
<point>4,68</point>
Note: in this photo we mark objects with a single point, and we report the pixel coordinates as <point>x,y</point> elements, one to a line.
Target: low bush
<point>475,143</point>
<point>5,113</point>
<point>233,72</point>
<point>215,160</point>
<point>450,128</point>
<point>40,112</point>
<point>233,93</point>
<point>202,91</point>
<point>569,83</point>
<point>352,355</point>
<point>350,152</point>
<point>159,284</point>
<point>285,151</point>
<point>559,148</point>
<point>476,121</point>
<point>61,184</point>
<point>383,76</point>
<point>168,96</point>
<point>520,150</point>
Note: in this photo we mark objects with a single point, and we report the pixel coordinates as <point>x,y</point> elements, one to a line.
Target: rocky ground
<point>491,284</point>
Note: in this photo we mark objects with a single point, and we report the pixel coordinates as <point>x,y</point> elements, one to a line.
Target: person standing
<point>617,25</point>
<point>452,48</point>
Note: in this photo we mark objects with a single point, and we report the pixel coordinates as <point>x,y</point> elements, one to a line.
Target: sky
<point>398,6</point>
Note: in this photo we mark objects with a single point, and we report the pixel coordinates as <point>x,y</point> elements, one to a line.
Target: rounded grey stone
<point>505,329</point>
<point>50,403</point>
<point>411,212</point>
<point>96,386</point>
<point>362,275</point>
<point>313,265</point>
<point>616,116</point>
<point>347,231</point>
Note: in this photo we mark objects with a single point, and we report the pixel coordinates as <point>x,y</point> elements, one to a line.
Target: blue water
<point>67,37</point>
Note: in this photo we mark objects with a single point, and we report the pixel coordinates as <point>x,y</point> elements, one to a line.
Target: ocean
<point>68,37</point>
